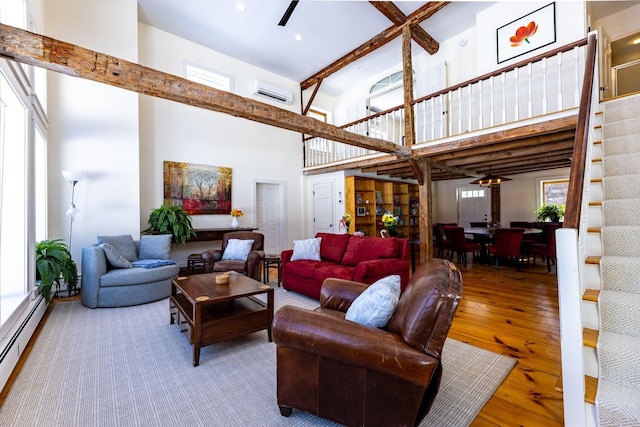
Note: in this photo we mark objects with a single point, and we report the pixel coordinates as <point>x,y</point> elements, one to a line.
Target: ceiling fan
<point>287,13</point>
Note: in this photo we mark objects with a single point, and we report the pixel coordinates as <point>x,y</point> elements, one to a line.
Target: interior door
<point>474,204</point>
<point>323,207</point>
<point>604,64</point>
<point>268,214</point>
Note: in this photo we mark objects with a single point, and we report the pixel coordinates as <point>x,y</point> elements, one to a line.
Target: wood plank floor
<point>515,314</point>
<point>511,313</point>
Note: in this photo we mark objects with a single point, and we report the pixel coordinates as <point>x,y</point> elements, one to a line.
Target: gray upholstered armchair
<point>213,259</point>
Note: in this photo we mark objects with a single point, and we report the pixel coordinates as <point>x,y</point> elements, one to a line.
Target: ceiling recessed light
<point>240,7</point>
<point>636,41</point>
<point>298,37</point>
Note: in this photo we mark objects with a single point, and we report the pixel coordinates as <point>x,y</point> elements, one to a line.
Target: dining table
<point>484,236</point>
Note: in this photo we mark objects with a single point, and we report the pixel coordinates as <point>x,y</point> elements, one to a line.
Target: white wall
<point>620,24</point>
<point>518,198</point>
<point>180,133</point>
<point>93,127</point>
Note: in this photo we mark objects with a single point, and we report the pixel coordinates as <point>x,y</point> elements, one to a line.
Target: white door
<point>268,215</point>
<point>474,204</point>
<point>323,215</point>
<point>604,64</point>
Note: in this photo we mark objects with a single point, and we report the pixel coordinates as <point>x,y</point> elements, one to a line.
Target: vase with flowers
<point>390,222</point>
<point>235,215</point>
<point>345,222</point>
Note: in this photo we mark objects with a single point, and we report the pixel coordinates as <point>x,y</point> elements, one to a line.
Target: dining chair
<point>459,244</point>
<point>441,240</point>
<point>547,246</point>
<point>507,244</point>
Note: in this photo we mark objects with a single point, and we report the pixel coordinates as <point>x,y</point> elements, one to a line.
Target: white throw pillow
<point>237,250</point>
<point>375,306</point>
<point>306,249</point>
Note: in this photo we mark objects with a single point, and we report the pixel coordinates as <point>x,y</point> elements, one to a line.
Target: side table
<point>194,263</point>
<point>270,261</point>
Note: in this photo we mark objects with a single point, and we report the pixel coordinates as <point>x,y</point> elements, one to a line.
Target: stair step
<point>619,240</point>
<point>591,295</point>
<point>594,230</point>
<point>621,145</point>
<point>592,259</point>
<point>621,187</point>
<point>629,126</point>
<point>620,273</point>
<point>621,164</point>
<point>590,389</point>
<point>625,212</point>
<point>620,314</point>
<point>596,180</point>
<point>595,203</point>
<point>615,113</point>
<point>618,404</point>
<point>590,337</point>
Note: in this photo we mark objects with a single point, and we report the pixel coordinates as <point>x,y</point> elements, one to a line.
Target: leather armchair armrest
<point>338,294</point>
<point>351,343</point>
<point>253,264</point>
<point>209,258</point>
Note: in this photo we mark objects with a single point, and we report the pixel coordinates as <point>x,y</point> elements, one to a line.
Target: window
<point>470,194</point>
<point>23,130</point>
<point>214,79</point>
<point>318,115</point>
<point>555,191</point>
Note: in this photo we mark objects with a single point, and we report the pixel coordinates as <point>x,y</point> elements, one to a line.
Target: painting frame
<point>544,19</point>
<point>198,189</point>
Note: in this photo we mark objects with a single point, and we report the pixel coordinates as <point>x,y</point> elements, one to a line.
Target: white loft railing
<point>545,84</point>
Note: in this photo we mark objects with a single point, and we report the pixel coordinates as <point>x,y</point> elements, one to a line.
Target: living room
<point>121,139</point>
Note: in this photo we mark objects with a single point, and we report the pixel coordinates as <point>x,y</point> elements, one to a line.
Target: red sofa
<point>343,256</point>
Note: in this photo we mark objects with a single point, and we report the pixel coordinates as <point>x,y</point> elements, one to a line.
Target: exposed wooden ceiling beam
<point>547,127</point>
<point>378,41</point>
<point>504,155</point>
<point>418,34</point>
<point>41,51</point>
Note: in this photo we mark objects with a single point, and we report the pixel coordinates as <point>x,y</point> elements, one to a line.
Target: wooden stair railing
<point>576,177</point>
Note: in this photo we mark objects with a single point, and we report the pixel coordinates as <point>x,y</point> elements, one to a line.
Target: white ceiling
<point>330,29</point>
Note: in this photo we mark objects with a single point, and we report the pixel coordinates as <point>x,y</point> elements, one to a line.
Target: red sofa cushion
<point>334,271</point>
<point>362,249</point>
<point>305,267</point>
<point>332,246</point>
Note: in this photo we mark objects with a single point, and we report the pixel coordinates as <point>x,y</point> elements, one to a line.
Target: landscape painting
<point>199,189</point>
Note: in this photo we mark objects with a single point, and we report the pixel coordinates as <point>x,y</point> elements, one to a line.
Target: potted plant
<point>55,265</point>
<point>550,211</point>
<point>171,220</point>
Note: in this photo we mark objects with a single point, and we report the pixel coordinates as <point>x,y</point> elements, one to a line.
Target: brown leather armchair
<point>213,261</point>
<point>362,376</point>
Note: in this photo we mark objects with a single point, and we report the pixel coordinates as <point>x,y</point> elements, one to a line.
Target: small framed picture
<point>361,211</point>
<point>359,198</point>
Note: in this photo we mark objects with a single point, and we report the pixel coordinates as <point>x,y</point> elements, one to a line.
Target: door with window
<point>474,205</point>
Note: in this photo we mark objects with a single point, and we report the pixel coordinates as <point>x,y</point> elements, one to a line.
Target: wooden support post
<point>407,76</point>
<point>425,215</point>
<point>495,203</point>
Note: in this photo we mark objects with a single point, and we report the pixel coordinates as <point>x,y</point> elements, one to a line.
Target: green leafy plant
<point>55,266</point>
<point>171,220</point>
<point>551,211</point>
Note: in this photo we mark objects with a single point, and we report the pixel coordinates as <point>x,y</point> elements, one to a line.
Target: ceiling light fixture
<point>636,41</point>
<point>240,7</point>
<point>298,37</point>
<point>490,180</point>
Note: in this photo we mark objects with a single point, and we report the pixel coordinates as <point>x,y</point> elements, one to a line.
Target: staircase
<point>611,312</point>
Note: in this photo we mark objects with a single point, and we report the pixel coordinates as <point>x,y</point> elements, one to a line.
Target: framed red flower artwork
<point>527,33</point>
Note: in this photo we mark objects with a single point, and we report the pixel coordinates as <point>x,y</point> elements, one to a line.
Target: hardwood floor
<point>515,314</point>
<point>511,313</point>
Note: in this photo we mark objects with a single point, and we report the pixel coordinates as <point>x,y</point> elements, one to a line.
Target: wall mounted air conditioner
<point>272,92</point>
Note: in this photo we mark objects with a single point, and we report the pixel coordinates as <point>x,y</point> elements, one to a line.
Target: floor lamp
<point>73,177</point>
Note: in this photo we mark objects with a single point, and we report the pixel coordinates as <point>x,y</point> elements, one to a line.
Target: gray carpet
<point>130,367</point>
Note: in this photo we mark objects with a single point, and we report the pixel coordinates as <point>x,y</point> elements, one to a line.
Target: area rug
<point>129,367</point>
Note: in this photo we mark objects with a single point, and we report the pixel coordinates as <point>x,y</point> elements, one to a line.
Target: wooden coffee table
<point>209,313</point>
